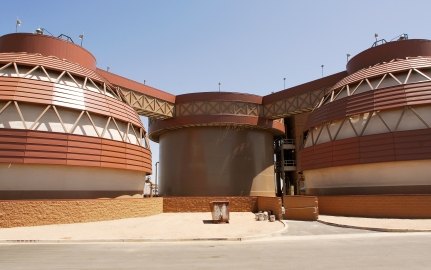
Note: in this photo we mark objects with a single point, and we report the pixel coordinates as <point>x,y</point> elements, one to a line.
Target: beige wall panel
<point>400,173</point>
<point>58,177</point>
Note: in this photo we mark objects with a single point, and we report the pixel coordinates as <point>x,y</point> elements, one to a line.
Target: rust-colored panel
<point>51,161</point>
<point>325,82</point>
<point>133,167</point>
<point>334,110</point>
<point>49,148</point>
<point>115,154</point>
<point>388,52</point>
<point>83,157</point>
<point>214,161</point>
<point>85,151</point>
<point>113,143</point>
<point>11,146</point>
<point>134,162</point>
<point>9,139</point>
<point>11,153</point>
<point>47,135</point>
<point>136,86</point>
<point>218,96</point>
<point>378,205</point>
<point>158,127</point>
<point>89,163</point>
<point>360,103</point>
<point>51,141</point>
<point>86,139</point>
<point>54,150</point>
<point>45,154</point>
<point>113,164</point>
<point>13,132</point>
<point>11,160</point>
<point>47,46</point>
<point>400,146</point>
<point>84,145</point>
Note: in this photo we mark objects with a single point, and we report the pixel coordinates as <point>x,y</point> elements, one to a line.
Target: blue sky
<point>247,45</point>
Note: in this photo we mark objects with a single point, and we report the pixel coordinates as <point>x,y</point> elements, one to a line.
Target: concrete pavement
<point>197,226</point>
<point>379,224</point>
<point>162,227</point>
<point>367,250</point>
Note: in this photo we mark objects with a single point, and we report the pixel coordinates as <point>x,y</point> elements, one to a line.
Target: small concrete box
<point>220,211</point>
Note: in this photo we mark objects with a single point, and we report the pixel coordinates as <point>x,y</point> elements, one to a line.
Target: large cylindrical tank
<point>218,144</point>
<point>64,131</point>
<point>370,134</point>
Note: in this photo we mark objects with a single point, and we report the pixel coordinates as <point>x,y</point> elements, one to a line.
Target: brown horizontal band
<point>370,190</point>
<point>63,194</point>
<point>389,51</point>
<point>323,83</point>
<point>38,147</point>
<point>47,46</point>
<point>218,96</point>
<point>410,206</point>
<point>158,127</point>
<point>136,86</point>
<point>386,147</point>
<point>374,100</point>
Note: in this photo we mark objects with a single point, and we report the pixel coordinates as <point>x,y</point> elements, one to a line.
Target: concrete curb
<point>146,240</point>
<point>370,228</point>
<point>260,236</point>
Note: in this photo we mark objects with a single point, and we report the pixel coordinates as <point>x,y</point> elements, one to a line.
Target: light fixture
<point>18,23</point>
<point>81,37</point>
<point>39,31</point>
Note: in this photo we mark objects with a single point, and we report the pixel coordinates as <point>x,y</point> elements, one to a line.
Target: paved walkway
<point>197,226</point>
<point>162,227</point>
<point>379,224</point>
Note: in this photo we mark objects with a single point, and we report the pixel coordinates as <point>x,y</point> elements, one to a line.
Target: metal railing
<point>280,142</point>
<point>289,162</point>
<point>288,141</point>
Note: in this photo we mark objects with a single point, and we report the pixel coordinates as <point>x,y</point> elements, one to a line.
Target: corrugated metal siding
<point>36,147</point>
<point>395,146</point>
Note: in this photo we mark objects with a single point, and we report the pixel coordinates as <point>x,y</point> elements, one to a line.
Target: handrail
<point>289,162</point>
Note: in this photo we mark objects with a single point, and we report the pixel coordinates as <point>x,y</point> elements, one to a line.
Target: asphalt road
<point>325,251</point>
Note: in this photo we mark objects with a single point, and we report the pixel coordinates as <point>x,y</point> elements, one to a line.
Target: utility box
<point>220,211</point>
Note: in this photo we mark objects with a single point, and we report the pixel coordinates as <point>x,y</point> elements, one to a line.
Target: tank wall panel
<point>216,161</point>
